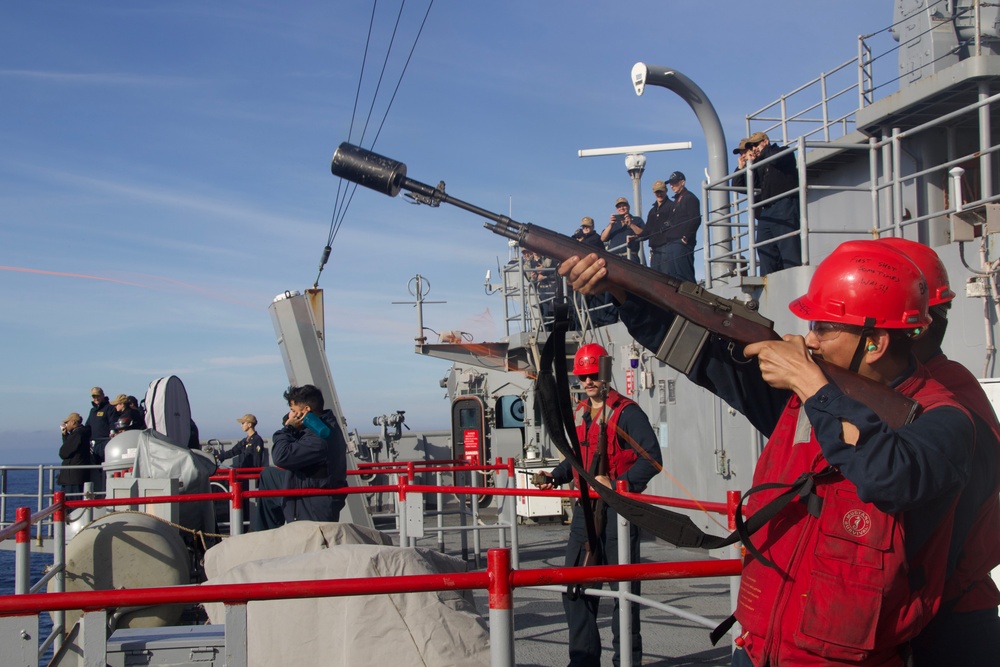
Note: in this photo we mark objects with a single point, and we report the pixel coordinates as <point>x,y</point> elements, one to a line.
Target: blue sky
<point>164,173</point>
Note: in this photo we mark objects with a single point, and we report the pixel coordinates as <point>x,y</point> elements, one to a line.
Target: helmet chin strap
<point>867,329</point>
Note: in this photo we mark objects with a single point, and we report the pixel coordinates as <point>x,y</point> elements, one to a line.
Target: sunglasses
<point>826,331</point>
<point>589,376</point>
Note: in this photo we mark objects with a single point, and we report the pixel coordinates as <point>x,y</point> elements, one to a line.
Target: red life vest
<point>620,459</point>
<point>841,592</point>
<point>970,587</point>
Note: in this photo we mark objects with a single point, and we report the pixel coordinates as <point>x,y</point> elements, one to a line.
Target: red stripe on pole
<point>237,491</point>
<point>23,535</point>
<point>58,498</point>
<point>500,590</point>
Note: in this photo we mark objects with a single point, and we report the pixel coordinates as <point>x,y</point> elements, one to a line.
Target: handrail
<point>243,593</point>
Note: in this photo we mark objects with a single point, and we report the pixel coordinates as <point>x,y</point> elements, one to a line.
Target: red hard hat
<point>587,359</point>
<point>866,283</point>
<point>938,287</point>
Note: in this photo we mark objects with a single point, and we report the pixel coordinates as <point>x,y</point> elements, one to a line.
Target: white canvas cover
<point>156,458</point>
<point>431,628</point>
<point>298,537</point>
<point>168,410</point>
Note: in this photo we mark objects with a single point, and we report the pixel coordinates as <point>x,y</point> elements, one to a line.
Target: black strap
<point>721,629</point>
<point>550,359</point>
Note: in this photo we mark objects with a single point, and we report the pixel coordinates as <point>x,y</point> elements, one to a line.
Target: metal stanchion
<point>59,561</point>
<point>624,587</point>
<point>501,608</point>
<point>512,518</point>
<point>401,513</point>
<point>476,544</point>
<point>22,553</point>
<point>440,512</point>
<point>236,507</point>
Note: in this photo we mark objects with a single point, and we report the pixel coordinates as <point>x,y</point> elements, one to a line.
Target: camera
<point>395,419</point>
<point>578,234</point>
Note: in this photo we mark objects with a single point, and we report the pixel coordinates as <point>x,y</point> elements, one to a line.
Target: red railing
<point>500,579</point>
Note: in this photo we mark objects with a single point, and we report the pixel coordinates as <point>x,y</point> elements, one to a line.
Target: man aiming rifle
<point>852,572</point>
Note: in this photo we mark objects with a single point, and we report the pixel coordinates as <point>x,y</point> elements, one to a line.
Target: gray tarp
<point>156,458</point>
<point>431,628</point>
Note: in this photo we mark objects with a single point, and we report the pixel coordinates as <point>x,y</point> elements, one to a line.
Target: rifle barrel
<point>727,318</point>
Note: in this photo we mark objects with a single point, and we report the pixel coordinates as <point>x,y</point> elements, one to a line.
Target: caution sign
<point>470,438</point>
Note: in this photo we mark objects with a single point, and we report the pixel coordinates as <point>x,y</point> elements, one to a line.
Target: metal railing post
<point>3,495</point>
<point>476,542</point>
<point>59,562</point>
<point>511,507</point>
<point>897,182</point>
<point>501,596</point>
<point>22,552</point>
<point>624,587</point>
<point>236,635</point>
<point>985,157</point>
<point>236,508</point>
<point>94,637</point>
<point>440,511</point>
<point>873,175</point>
<point>751,222</point>
<point>40,503</point>
<point>733,501</point>
<point>800,164</point>
<point>404,538</point>
<point>463,519</point>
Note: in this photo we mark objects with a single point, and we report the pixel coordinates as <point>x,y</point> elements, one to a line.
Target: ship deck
<point>541,637</point>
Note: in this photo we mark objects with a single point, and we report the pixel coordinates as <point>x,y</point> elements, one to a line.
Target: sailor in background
<point>778,217</point>
<point>75,451</point>
<point>126,418</point>
<point>628,430</point>
<point>310,453</point>
<point>586,234</point>
<point>248,452</point>
<point>855,571</point>
<point>672,238</point>
<point>619,235</point>
<point>101,421</point>
<point>656,225</point>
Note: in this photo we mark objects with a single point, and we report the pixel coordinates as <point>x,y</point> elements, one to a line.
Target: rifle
<point>699,312</point>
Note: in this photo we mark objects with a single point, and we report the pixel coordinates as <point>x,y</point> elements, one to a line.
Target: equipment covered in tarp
<point>427,628</point>
<point>127,550</point>
<point>156,458</point>
<point>298,537</point>
<point>168,410</point>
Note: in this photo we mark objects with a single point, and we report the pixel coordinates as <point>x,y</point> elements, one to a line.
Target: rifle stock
<point>727,318</point>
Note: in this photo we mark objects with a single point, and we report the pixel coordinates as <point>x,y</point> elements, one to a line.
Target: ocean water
<point>21,482</point>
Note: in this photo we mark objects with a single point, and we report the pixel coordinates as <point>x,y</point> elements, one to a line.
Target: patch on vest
<point>857,523</point>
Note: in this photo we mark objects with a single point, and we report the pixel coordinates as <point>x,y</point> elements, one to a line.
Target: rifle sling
<point>673,527</point>
<point>563,422</point>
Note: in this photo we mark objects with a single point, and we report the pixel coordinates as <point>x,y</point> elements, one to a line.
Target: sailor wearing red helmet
<point>858,566</point>
<point>628,431</point>
<point>967,629</point>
